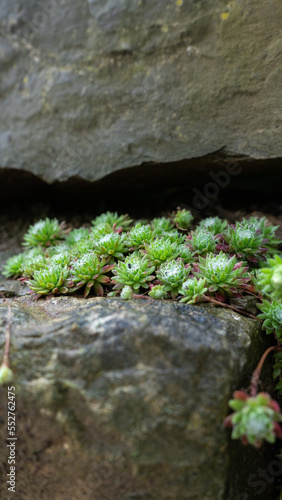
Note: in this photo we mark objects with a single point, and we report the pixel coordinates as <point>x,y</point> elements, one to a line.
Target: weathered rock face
<point>90,87</point>
<point>125,400</point>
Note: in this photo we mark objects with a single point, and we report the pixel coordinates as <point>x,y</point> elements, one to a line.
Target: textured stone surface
<point>90,87</point>
<point>125,400</point>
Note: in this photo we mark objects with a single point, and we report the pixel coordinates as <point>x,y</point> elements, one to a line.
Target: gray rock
<point>90,87</point>
<point>125,400</point>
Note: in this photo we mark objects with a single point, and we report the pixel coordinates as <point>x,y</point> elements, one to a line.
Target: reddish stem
<point>256,373</point>
<point>223,304</point>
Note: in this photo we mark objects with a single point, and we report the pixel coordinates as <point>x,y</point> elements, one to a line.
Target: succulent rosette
<point>49,281</point>
<point>45,233</point>
<point>134,272</point>
<point>255,419</point>
<point>222,274</point>
<point>89,271</point>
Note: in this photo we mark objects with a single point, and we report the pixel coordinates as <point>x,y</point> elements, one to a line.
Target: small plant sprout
<point>246,242</point>
<point>193,290</point>
<point>161,225</point>
<point>222,274</point>
<point>172,275</point>
<point>50,281</point>
<point>89,271</point>
<point>112,245</point>
<point>272,316</point>
<point>135,272</point>
<point>139,235</point>
<point>183,219</point>
<point>45,233</point>
<point>161,250</point>
<point>213,224</point>
<point>13,266</point>
<point>113,219</point>
<point>158,292</point>
<point>255,418</point>
<point>270,278</point>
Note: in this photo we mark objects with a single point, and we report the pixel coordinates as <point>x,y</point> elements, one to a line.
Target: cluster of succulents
<point>169,258</point>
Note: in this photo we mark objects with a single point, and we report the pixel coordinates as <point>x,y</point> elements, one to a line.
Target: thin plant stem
<point>256,373</point>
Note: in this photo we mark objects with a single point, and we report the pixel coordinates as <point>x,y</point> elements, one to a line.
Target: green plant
<point>213,224</point>
<point>89,271</point>
<point>255,418</point>
<point>266,230</point>
<point>272,316</point>
<point>51,280</point>
<point>193,290</point>
<point>101,229</point>
<point>222,274</point>
<point>183,219</point>
<point>161,225</point>
<point>77,235</point>
<point>139,235</point>
<point>245,242</point>
<point>202,242</point>
<point>13,266</point>
<point>111,245</point>
<point>161,250</point>
<point>134,272</point>
<point>158,292</point>
<point>44,233</point>
<point>172,274</point>
<point>33,263</point>
<point>112,218</point>
<point>270,278</point>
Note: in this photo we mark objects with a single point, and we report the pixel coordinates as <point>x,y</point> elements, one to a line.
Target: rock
<point>125,400</point>
<point>92,87</point>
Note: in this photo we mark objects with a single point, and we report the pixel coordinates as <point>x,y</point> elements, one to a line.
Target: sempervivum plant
<point>77,235</point>
<point>33,263</point>
<point>13,266</point>
<point>255,419</point>
<point>113,218</point>
<point>172,274</point>
<point>270,278</point>
<point>202,242</point>
<point>134,272</point>
<point>193,290</point>
<point>213,224</point>
<point>161,250</point>
<point>244,240</point>
<point>89,271</point>
<point>49,281</point>
<point>139,235</point>
<point>183,219</point>
<point>272,316</point>
<point>222,274</point>
<point>266,230</point>
<point>101,230</point>
<point>112,245</point>
<point>44,233</point>
<point>161,225</point>
<point>158,292</point>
